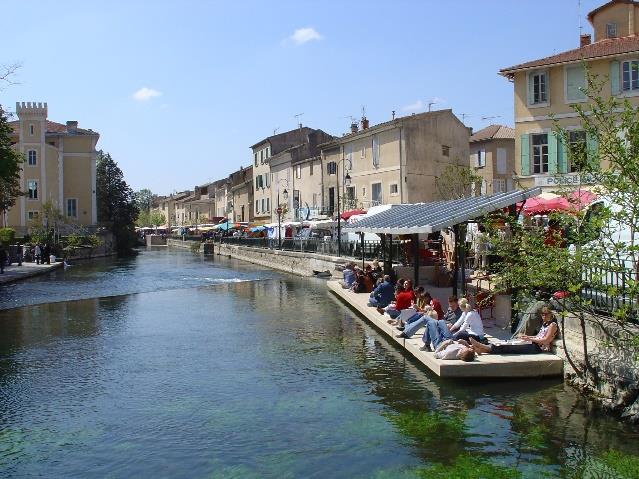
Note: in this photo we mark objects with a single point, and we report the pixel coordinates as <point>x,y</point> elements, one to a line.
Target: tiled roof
<point>602,48</point>
<point>54,128</point>
<point>493,132</point>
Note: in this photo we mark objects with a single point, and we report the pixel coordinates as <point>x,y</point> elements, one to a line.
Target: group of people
<point>38,252</point>
<point>457,333</point>
<point>361,280</point>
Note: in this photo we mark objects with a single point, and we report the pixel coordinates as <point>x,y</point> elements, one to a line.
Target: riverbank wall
<point>601,361</point>
<point>15,273</point>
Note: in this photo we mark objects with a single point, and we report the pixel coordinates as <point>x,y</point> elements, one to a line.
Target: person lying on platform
<point>436,332</point>
<point>404,298</point>
<point>451,349</point>
<point>417,321</point>
<point>469,323</point>
<point>538,344</point>
<point>383,294</point>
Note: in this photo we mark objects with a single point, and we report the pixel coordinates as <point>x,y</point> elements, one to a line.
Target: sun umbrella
<point>347,214</point>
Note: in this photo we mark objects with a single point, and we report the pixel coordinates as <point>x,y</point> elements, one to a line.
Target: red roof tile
<point>602,48</point>
<point>53,128</point>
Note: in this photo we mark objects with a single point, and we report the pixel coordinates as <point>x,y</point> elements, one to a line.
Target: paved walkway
<point>484,366</point>
<point>27,270</point>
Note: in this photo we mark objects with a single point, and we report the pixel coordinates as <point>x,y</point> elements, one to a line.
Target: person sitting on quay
<point>541,343</point>
<point>417,321</point>
<point>404,298</point>
<point>469,323</point>
<point>436,332</point>
<point>454,312</point>
<point>451,349</point>
<point>349,276</point>
<point>425,303</point>
<point>363,283</point>
<point>383,294</point>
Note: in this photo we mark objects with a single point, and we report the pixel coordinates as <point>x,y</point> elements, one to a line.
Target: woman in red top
<point>405,298</point>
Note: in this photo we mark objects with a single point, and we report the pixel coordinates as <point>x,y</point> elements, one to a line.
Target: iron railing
<point>612,289</point>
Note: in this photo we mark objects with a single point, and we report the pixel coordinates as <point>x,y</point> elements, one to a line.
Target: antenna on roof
<point>463,116</point>
<point>363,111</point>
<point>484,118</point>
<point>275,130</point>
<point>581,28</point>
<point>431,103</point>
<point>297,118</point>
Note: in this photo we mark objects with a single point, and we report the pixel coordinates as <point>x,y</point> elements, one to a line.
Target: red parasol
<point>347,214</point>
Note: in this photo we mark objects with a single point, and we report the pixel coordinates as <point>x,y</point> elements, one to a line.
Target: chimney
<point>393,112</point>
<point>72,127</point>
<point>364,123</point>
<point>584,40</point>
<point>354,128</point>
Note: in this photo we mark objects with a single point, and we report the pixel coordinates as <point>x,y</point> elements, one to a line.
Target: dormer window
<point>611,30</point>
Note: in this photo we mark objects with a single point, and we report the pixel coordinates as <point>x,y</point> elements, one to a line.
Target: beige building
<point>492,156</point>
<point>241,184</point>
<point>394,162</point>
<point>547,90</point>
<point>263,187</point>
<point>59,167</point>
<point>223,198</point>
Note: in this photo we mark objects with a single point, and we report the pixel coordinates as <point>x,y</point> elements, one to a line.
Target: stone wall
<point>303,264</point>
<point>612,371</point>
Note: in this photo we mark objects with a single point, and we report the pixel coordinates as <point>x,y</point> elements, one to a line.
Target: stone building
<point>546,90</point>
<point>393,162</point>
<point>241,183</point>
<point>59,168</point>
<point>492,156</point>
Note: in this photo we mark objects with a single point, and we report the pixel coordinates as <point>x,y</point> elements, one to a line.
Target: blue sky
<point>214,77</point>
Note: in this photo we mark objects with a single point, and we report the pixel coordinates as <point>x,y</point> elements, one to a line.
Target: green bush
<point>92,240</point>
<point>7,236</point>
<point>74,241</point>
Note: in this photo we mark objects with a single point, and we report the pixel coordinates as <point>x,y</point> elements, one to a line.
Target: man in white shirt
<point>451,349</point>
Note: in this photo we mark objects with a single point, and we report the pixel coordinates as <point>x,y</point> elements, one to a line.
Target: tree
<point>457,182</point>
<point>595,261</point>
<point>10,166</point>
<point>157,219</point>
<point>143,220</point>
<point>144,199</point>
<point>116,205</point>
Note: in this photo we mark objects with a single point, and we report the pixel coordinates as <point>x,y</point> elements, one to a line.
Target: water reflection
<point>266,377</point>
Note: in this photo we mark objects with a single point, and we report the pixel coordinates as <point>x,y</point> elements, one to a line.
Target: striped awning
<point>430,217</point>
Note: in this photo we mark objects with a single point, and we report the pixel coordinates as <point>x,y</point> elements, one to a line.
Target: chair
<point>485,301</point>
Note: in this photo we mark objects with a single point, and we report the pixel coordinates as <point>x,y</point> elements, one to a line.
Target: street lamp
<point>279,214</point>
<point>346,182</point>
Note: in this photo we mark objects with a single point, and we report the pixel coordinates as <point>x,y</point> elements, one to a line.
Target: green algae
<point>466,466</point>
<point>428,427</point>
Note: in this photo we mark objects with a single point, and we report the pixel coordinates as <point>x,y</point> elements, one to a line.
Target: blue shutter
<point>525,155</point>
<point>593,154</point>
<point>562,156</point>
<point>614,78</point>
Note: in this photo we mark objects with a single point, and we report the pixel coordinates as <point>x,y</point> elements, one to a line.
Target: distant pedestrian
<point>3,259</point>
<point>37,253</point>
<point>47,254</point>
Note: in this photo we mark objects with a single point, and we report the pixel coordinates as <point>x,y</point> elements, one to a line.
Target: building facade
<point>394,162</point>
<point>492,157</point>
<point>547,90</point>
<point>241,183</point>
<point>59,168</point>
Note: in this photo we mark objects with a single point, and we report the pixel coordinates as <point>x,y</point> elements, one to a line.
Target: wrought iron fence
<point>613,288</point>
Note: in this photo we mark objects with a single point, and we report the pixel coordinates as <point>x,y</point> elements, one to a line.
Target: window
<point>268,204</point>
<point>575,83</point>
<point>537,88</point>
<point>31,130</point>
<point>268,152</point>
<point>298,171</point>
<point>257,206</point>
<point>363,192</point>
<point>311,168</point>
<point>611,30</point>
<point>72,208</point>
<point>32,156</point>
<point>32,188</point>
<point>376,152</point>
<point>33,215</point>
<point>576,149</point>
<point>480,159</point>
<point>314,200</point>
<point>362,152</point>
<point>502,161</point>
<point>331,168</point>
<point>540,153</point>
<point>263,205</point>
<point>499,185</point>
<point>394,189</point>
<point>630,75</point>
<point>350,195</point>
<point>376,194</point>
<point>445,150</point>
<point>296,199</point>
<point>255,158</point>
<point>261,157</point>
<point>267,180</point>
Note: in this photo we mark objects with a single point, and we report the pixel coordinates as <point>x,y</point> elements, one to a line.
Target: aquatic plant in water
<point>466,466</point>
<point>426,426</point>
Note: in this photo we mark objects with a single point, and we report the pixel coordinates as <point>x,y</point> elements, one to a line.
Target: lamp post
<point>346,182</point>
<point>279,216</point>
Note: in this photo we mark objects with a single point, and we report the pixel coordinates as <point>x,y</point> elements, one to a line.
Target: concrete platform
<point>484,366</point>
<point>15,273</point>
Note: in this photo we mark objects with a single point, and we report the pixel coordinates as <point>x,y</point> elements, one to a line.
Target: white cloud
<point>418,105</point>
<point>305,35</point>
<point>145,94</point>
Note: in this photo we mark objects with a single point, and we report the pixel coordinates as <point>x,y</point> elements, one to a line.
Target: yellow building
<point>548,89</point>
<point>492,157</point>
<point>59,167</point>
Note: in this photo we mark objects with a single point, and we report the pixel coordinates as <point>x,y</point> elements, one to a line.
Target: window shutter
<point>529,89</point>
<point>614,78</point>
<point>525,155</point>
<point>562,156</point>
<point>552,153</point>
<point>591,147</point>
<point>575,83</point>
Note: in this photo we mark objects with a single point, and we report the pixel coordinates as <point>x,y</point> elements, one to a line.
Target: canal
<point>173,365</point>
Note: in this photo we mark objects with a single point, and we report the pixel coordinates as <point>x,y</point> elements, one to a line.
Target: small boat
<point>322,274</point>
